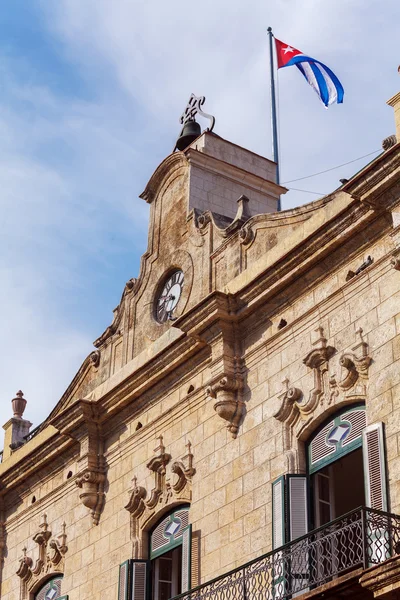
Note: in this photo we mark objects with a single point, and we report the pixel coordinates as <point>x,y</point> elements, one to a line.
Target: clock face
<point>169,297</point>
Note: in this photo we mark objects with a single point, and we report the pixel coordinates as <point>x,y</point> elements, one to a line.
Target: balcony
<point>354,542</point>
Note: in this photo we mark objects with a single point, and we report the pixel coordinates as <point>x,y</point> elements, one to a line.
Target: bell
<point>190,131</point>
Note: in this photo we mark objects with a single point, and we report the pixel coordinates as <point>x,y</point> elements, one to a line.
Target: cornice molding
<point>169,165</point>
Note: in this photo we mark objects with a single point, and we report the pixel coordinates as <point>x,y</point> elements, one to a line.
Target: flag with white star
<point>318,75</point>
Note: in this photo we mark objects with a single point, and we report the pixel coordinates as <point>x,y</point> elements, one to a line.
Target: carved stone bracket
<point>50,560</point>
<point>81,422</point>
<point>215,325</point>
<point>92,495</point>
<point>228,405</point>
<point>167,491</point>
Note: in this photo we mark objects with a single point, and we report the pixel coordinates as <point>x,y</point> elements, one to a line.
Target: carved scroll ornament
<point>167,490</point>
<point>294,405</point>
<point>50,560</point>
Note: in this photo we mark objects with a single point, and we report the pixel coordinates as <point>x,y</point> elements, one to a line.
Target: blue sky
<point>90,96</point>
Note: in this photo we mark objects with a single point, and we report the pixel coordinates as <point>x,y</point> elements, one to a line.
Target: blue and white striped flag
<point>318,75</point>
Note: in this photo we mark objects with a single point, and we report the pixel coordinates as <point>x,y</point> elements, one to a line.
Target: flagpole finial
<point>269,29</point>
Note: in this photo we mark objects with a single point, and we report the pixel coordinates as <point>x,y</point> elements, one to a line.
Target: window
<point>346,470</point>
<point>51,590</point>
<point>168,572</point>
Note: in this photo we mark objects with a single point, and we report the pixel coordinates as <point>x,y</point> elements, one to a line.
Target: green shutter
<point>186,558</point>
<point>123,581</point>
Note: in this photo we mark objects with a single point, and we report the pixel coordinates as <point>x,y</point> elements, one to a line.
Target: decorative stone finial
<point>18,404</point>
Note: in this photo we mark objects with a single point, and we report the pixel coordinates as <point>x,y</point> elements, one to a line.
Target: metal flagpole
<point>273,110</point>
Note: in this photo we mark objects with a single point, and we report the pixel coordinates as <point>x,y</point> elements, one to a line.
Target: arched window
<point>167,573</point>
<point>335,458</point>
<point>170,555</point>
<point>345,469</point>
<point>51,590</point>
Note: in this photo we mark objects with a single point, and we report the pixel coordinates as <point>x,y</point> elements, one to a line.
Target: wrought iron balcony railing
<point>361,538</point>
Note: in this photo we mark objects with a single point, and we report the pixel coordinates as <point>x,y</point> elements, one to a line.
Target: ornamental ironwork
<point>361,538</point>
<point>193,108</point>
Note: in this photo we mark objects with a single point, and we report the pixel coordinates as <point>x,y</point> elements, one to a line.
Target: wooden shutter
<point>297,487</point>
<point>186,558</point>
<point>140,580</point>
<point>298,506</point>
<point>278,513</point>
<point>123,582</point>
<point>375,467</point>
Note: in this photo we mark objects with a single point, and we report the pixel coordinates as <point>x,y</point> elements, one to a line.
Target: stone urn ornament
<point>18,404</point>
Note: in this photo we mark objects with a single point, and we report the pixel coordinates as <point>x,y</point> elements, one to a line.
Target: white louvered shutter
<point>279,574</point>
<point>186,558</point>
<point>374,467</point>
<point>140,578</point>
<point>298,509</point>
<point>375,493</point>
<point>278,513</point>
<point>298,526</point>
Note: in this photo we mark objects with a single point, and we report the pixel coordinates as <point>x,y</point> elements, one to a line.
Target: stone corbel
<point>226,391</point>
<point>92,496</point>
<point>50,560</point>
<point>318,360</point>
<point>81,422</point>
<point>214,324</point>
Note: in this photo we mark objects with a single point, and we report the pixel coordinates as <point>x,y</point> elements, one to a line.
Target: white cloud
<point>72,167</point>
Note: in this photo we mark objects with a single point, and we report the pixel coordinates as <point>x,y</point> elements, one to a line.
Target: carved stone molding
<point>296,410</point>
<point>395,262</point>
<point>246,234</point>
<point>318,360</point>
<point>172,486</point>
<point>81,422</point>
<point>50,559</point>
<point>389,142</point>
<point>355,365</point>
<point>95,358</point>
<point>226,391</point>
<point>92,495</point>
<point>214,324</point>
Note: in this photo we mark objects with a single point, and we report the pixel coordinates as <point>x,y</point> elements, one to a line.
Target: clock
<point>168,298</point>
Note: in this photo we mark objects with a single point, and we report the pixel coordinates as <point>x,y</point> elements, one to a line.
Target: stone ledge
<point>383,580</point>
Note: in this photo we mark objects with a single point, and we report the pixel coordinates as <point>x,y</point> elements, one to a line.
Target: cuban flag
<point>318,75</point>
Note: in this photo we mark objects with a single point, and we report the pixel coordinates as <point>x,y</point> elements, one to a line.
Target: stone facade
<point>284,318</point>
